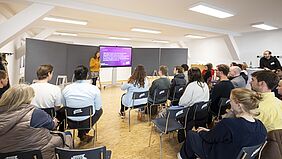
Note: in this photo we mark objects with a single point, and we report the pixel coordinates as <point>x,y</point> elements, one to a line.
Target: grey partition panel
<point>172,57</point>
<point>40,52</point>
<point>149,57</point>
<point>78,55</point>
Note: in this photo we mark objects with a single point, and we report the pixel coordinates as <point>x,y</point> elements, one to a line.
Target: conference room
<point>115,52</point>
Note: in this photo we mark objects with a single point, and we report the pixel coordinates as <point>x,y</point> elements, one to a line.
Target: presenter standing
<point>95,65</point>
<point>269,62</point>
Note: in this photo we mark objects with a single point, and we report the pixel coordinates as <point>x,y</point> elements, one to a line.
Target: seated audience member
<point>244,72</point>
<point>279,87</point>
<point>196,91</point>
<point>222,89</point>
<point>47,95</point>
<point>178,80</point>
<point>270,107</point>
<point>81,94</point>
<point>3,81</point>
<point>186,68</point>
<point>137,82</point>
<point>23,126</point>
<point>208,73</point>
<point>237,80</point>
<point>228,137</point>
<point>162,83</point>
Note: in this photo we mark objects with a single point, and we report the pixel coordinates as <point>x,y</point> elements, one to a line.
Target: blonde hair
<point>17,95</point>
<point>249,99</point>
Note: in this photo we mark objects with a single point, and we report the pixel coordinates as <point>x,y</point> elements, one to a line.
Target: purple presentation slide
<point>115,56</point>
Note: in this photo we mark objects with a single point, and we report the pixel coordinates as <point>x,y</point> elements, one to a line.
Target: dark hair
<point>268,52</point>
<point>43,70</point>
<point>223,68</point>
<point>138,76</point>
<point>179,69</point>
<point>209,66</point>
<point>270,78</point>
<point>3,74</point>
<point>194,74</point>
<point>163,69</point>
<point>95,55</point>
<point>185,67</point>
<point>80,72</point>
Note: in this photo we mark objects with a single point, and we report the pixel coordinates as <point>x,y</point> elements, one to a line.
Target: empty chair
<point>137,96</point>
<point>50,111</point>
<point>61,80</point>
<point>169,124</point>
<point>250,152</point>
<point>93,153</point>
<point>32,154</point>
<point>80,112</point>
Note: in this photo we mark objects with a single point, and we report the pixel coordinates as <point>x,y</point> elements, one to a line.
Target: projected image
<point>115,56</point>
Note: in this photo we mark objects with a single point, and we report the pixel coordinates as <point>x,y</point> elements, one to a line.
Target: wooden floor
<point>113,133</point>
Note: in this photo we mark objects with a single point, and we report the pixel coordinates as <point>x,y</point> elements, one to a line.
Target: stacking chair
<point>137,96</point>
<point>169,124</point>
<point>33,154</point>
<point>224,103</point>
<point>177,93</point>
<point>78,112</point>
<point>93,153</point>
<point>200,113</point>
<point>61,80</point>
<point>250,152</point>
<point>159,95</point>
<point>50,111</point>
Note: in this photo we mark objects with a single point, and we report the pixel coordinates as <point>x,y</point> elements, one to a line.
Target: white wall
<point>250,45</point>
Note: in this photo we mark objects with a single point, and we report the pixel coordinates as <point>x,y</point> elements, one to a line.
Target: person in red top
<point>208,73</point>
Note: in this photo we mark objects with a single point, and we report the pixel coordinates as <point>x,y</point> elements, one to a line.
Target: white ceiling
<point>172,17</point>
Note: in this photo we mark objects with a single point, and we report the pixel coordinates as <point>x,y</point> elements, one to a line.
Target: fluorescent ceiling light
<point>263,26</point>
<point>65,20</point>
<point>210,10</point>
<point>145,30</point>
<point>119,38</point>
<point>195,36</point>
<point>64,34</point>
<point>160,41</point>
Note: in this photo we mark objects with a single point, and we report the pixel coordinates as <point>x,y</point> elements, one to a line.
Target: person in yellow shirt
<point>270,107</point>
<point>94,66</point>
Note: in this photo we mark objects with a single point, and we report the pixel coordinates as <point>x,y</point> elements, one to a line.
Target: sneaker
<point>86,138</point>
<point>122,115</point>
<point>179,156</point>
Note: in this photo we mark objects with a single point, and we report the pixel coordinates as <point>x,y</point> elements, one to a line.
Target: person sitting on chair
<point>3,81</point>
<point>48,95</point>
<point>137,82</point>
<point>162,83</point>
<point>82,94</point>
<point>230,135</point>
<point>24,127</point>
<point>178,80</point>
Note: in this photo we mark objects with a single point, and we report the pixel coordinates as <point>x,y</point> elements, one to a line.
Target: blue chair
<point>137,96</point>
<point>251,152</point>
<point>78,112</point>
<point>93,153</point>
<point>169,124</point>
<point>160,98</point>
<point>32,154</point>
<point>177,93</point>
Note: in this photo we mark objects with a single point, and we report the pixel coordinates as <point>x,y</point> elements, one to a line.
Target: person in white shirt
<point>48,95</point>
<point>196,91</point>
<point>82,94</point>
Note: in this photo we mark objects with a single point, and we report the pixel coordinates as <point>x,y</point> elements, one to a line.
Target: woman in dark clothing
<point>178,80</point>
<point>207,73</point>
<point>228,137</point>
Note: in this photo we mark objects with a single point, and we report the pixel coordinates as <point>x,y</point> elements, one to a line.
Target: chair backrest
<point>93,153</point>
<point>160,95</point>
<point>178,92</point>
<point>78,112</point>
<point>61,79</point>
<point>173,111</point>
<point>200,107</point>
<point>50,111</point>
<point>223,104</point>
<point>250,152</point>
<point>32,154</point>
<point>139,95</point>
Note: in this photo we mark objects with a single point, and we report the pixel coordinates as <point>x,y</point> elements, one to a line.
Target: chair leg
<point>129,119</point>
<point>161,142</point>
<point>73,136</point>
<point>150,136</point>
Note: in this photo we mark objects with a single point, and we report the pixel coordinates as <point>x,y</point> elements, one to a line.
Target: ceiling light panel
<point>195,36</point>
<point>210,10</point>
<point>160,41</point>
<point>119,38</point>
<point>263,26</point>
<point>65,20</point>
<point>145,30</point>
<point>64,34</point>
